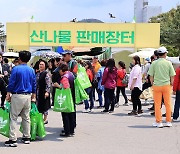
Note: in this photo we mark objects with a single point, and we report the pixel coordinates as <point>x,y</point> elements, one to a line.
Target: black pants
<point>146,86</point>
<point>122,89</point>
<point>176,105</point>
<point>68,122</point>
<point>53,95</point>
<point>136,92</point>
<point>109,99</point>
<point>3,91</point>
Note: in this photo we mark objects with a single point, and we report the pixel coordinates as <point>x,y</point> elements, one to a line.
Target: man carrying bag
<point>22,86</point>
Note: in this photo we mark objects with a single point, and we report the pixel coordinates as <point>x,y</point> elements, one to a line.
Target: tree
<point>170,30</point>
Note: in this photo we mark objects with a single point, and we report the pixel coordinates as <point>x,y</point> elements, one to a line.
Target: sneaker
<point>174,120</point>
<point>105,111</point>
<point>26,140</point>
<point>11,143</point>
<point>168,124</point>
<point>91,110</point>
<point>158,125</point>
<point>86,111</point>
<point>125,104</point>
<point>133,113</point>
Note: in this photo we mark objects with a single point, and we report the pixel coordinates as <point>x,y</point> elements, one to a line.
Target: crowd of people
<point>22,85</point>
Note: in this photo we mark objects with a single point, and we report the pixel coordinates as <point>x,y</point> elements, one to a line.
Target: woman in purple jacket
<point>109,81</point>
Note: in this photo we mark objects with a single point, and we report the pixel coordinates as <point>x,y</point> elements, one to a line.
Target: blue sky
<point>65,10</point>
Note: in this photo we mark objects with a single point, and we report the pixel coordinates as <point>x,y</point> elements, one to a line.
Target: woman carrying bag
<point>66,82</point>
<point>120,86</point>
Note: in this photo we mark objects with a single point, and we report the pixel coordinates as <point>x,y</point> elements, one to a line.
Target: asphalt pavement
<point>99,133</point>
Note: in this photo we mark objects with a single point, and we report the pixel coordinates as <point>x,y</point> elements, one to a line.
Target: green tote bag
<point>63,101</point>
<point>80,93</point>
<point>4,122</point>
<point>82,77</point>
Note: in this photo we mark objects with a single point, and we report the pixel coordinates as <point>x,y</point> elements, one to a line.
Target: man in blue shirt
<point>22,86</point>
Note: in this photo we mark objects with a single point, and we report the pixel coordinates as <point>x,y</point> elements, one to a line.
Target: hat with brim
<point>67,52</point>
<point>162,50</point>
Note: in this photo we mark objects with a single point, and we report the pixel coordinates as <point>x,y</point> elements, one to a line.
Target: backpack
<point>125,79</point>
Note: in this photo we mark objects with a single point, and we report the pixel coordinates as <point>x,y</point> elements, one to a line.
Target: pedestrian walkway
<point>98,133</point>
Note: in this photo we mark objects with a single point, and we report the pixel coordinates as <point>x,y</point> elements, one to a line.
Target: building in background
<point>143,12</point>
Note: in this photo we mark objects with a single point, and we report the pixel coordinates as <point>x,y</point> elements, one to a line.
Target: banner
<point>132,35</point>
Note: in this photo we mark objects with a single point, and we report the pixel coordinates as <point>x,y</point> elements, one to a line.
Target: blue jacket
<point>99,75</point>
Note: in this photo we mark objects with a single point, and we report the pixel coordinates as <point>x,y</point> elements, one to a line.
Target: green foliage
<point>170,30</point>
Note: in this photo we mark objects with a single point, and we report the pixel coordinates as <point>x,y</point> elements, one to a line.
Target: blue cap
<point>147,59</point>
<point>67,52</point>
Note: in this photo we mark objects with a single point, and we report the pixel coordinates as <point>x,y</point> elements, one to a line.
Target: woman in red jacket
<point>121,72</point>
<point>176,91</point>
<point>109,81</point>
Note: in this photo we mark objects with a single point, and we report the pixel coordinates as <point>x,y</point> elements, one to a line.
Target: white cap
<point>162,50</point>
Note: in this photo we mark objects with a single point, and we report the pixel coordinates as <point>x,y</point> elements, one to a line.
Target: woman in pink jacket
<point>109,82</point>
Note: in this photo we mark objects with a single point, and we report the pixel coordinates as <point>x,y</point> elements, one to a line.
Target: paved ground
<point>99,133</point>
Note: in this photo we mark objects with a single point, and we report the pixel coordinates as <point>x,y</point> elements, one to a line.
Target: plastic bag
<point>4,122</point>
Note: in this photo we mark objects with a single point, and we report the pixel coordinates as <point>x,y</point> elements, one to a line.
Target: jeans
<point>100,97</point>
<point>89,91</point>
<point>122,89</point>
<point>176,105</point>
<point>136,92</point>
<point>109,99</point>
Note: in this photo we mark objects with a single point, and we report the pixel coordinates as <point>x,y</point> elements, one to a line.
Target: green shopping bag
<point>40,126</point>
<point>33,127</point>
<point>83,78</point>
<point>80,93</point>
<point>4,122</point>
<point>34,109</point>
<point>37,123</point>
<point>63,101</point>
<point>7,106</point>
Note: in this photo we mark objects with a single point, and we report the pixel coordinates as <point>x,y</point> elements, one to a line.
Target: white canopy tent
<point>11,54</point>
<point>144,53</point>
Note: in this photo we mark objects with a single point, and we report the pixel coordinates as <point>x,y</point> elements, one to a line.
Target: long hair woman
<point>121,72</point>
<point>109,82</point>
<point>135,85</point>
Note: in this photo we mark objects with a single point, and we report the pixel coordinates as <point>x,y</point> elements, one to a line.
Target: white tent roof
<point>144,53</point>
<point>11,54</point>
